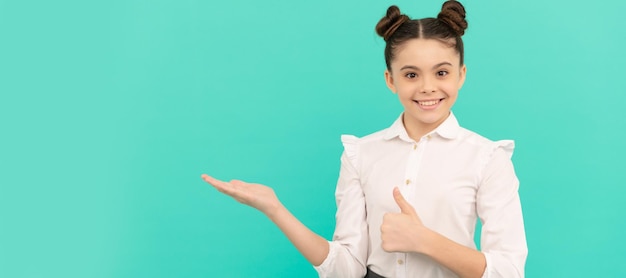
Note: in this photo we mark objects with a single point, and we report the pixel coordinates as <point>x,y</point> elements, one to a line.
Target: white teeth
<point>428,103</point>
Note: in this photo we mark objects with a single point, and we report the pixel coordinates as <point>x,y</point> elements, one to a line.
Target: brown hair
<point>397,28</point>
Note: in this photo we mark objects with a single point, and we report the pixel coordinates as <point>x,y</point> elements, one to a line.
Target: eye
<point>442,73</point>
<point>411,75</point>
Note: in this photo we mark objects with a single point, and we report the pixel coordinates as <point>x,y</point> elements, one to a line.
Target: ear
<point>389,81</point>
<point>462,73</point>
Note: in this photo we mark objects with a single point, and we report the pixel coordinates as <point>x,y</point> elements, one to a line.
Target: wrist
<point>272,212</point>
<point>427,241</point>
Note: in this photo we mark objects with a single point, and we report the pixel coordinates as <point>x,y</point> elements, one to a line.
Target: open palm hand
<point>255,195</point>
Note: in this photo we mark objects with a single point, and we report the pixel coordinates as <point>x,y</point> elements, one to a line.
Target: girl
<point>408,196</point>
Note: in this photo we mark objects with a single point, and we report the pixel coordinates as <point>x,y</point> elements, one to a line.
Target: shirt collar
<point>449,129</point>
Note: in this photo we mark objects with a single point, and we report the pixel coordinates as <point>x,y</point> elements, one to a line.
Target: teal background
<point>111,110</point>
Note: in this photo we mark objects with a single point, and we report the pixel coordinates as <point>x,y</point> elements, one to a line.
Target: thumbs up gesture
<point>402,232</point>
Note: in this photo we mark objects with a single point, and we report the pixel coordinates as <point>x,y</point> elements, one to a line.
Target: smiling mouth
<point>428,103</point>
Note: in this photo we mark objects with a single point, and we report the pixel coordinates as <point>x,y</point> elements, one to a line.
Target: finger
<point>221,186</point>
<point>405,207</point>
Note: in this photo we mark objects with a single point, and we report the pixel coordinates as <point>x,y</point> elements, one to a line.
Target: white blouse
<point>451,176</point>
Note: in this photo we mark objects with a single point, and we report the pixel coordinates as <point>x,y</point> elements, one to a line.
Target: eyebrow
<point>434,67</point>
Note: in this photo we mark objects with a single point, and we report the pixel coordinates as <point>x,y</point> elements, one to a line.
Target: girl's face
<point>426,75</point>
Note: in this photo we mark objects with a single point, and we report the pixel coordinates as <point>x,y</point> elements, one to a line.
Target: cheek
<point>406,94</point>
<point>405,89</point>
<point>452,95</point>
<point>405,98</point>
<point>451,89</point>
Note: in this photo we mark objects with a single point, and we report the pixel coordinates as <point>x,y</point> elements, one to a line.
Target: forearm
<point>462,260</point>
<point>312,246</point>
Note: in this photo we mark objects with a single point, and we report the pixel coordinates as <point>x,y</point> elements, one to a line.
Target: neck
<point>416,129</point>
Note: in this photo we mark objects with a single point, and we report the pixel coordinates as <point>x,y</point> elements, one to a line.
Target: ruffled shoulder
<point>495,152</point>
<point>505,145</point>
<point>351,148</point>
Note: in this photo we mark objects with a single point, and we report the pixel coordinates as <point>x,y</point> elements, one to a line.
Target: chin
<point>430,117</point>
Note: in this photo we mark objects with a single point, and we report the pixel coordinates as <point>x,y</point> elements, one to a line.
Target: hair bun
<point>390,22</point>
<point>453,14</point>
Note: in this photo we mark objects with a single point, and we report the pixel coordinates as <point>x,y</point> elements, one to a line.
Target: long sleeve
<point>503,240</point>
<point>347,256</point>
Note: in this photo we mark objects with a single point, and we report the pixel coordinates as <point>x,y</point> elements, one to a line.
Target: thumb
<point>405,207</point>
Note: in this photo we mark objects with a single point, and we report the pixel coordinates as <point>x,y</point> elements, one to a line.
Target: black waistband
<point>372,274</point>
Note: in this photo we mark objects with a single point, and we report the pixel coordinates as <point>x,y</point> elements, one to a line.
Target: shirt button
<point>408,181</point>
<point>428,136</point>
<point>400,262</point>
<point>414,146</point>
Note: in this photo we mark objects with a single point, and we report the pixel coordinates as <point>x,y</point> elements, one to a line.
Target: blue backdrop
<point>111,110</point>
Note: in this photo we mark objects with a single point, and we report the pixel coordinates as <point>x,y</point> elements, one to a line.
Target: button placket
<point>408,191</point>
<point>411,171</point>
<point>400,265</point>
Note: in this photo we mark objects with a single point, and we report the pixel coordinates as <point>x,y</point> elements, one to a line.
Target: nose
<point>428,86</point>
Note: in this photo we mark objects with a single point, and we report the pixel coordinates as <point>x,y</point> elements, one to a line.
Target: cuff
<point>324,268</point>
<point>487,265</point>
